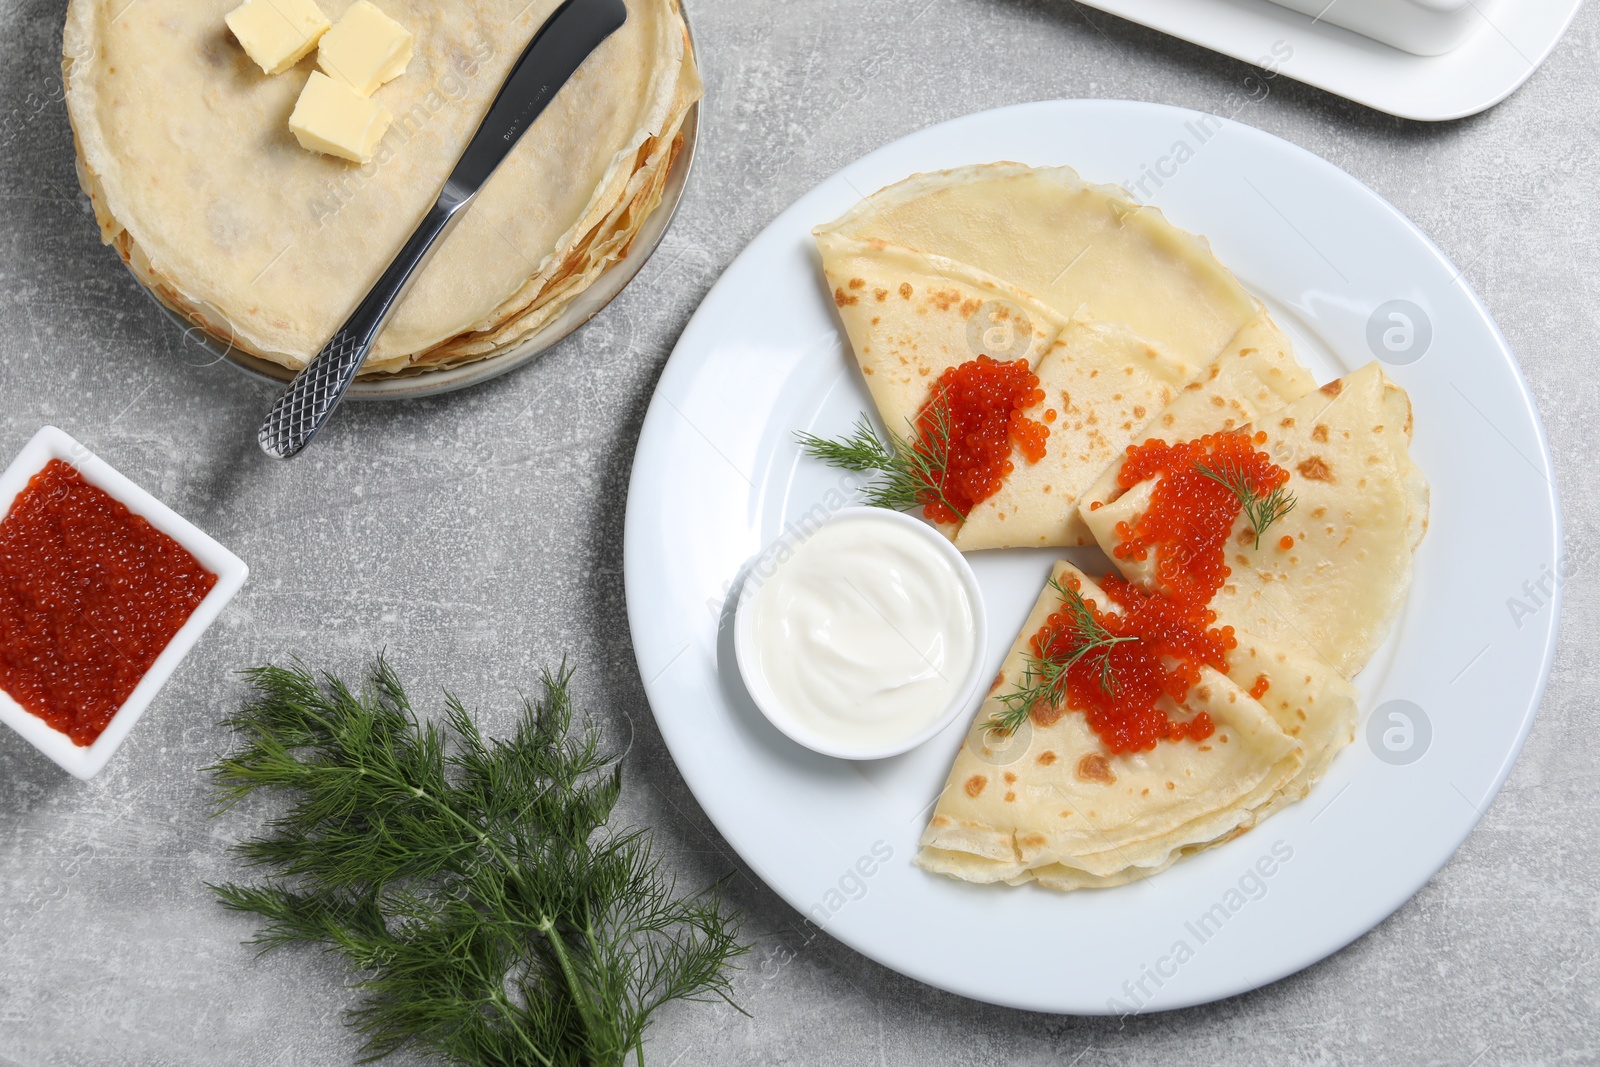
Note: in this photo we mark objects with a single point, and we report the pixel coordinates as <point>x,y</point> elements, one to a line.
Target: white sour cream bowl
<point>864,637</point>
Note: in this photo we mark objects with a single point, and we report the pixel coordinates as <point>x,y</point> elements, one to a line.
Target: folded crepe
<point>1059,808</point>
<point>184,149</point>
<point>1255,374</point>
<point>1301,632</point>
<point>912,315</point>
<point>1361,507</point>
<point>1114,308</point>
<point>1070,245</point>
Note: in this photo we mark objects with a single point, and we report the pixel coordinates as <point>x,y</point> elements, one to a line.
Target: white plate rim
<point>641,539</point>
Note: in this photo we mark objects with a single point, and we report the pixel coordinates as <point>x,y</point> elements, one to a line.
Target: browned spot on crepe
<point>1096,768</point>
<point>1315,469</point>
<point>1043,714</point>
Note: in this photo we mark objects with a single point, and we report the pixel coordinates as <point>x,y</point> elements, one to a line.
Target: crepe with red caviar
<point>1148,672</point>
<point>1050,793</point>
<point>923,326</point>
<point>1328,577</point>
<point>910,316</point>
<point>1255,374</point>
<point>1103,383</point>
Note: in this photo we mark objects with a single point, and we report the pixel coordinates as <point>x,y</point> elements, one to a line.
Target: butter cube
<point>332,117</point>
<point>365,48</point>
<point>277,34</point>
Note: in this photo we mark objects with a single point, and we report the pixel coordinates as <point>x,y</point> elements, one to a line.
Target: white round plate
<point>718,475</point>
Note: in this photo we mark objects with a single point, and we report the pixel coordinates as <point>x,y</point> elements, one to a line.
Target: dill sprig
<point>1044,678</point>
<point>492,914</point>
<point>1260,509</point>
<point>912,470</point>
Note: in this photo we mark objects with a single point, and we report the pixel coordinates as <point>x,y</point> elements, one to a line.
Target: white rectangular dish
<point>1421,27</point>
<point>87,761</point>
<point>1502,47</point>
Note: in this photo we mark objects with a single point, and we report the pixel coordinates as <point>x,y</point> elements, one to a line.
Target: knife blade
<point>567,38</point>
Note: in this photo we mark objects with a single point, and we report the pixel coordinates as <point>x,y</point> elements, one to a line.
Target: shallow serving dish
<point>1421,27</point>
<point>87,761</point>
<point>1504,42</point>
<point>968,694</point>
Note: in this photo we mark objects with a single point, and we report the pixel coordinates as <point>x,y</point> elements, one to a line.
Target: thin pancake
<point>911,315</point>
<point>217,207</point>
<point>1103,381</point>
<point>1066,800</point>
<point>1360,507</point>
<point>1070,244</point>
<point>1257,373</point>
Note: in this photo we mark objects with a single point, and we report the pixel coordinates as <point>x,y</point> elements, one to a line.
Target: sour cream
<point>863,638</point>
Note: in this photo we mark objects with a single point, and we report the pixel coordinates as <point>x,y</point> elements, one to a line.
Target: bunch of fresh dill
<point>491,914</point>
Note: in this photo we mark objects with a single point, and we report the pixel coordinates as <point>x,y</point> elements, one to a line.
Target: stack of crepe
<point>184,148</point>
<point>1135,331</point>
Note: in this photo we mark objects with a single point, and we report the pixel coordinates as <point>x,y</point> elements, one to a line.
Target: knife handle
<point>305,405</point>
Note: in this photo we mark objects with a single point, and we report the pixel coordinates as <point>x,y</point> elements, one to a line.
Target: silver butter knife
<point>562,44</point>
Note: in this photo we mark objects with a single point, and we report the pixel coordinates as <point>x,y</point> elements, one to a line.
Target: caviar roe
<point>1187,525</point>
<point>984,401</point>
<point>1164,660</point>
<point>90,594</point>
<point>1191,514</point>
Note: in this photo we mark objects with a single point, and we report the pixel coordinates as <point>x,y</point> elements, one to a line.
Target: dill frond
<point>491,913</point>
<point>1044,678</point>
<point>1261,510</point>
<point>911,470</point>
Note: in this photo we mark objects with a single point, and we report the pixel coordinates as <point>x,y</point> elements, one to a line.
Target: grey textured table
<point>479,536</point>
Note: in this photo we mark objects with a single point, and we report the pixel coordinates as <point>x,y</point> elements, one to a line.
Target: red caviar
<point>983,401</point>
<point>1191,514</point>
<point>1164,658</point>
<point>1119,686</point>
<point>90,594</point>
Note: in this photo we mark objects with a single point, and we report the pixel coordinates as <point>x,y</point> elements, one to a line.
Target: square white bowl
<point>85,761</point>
